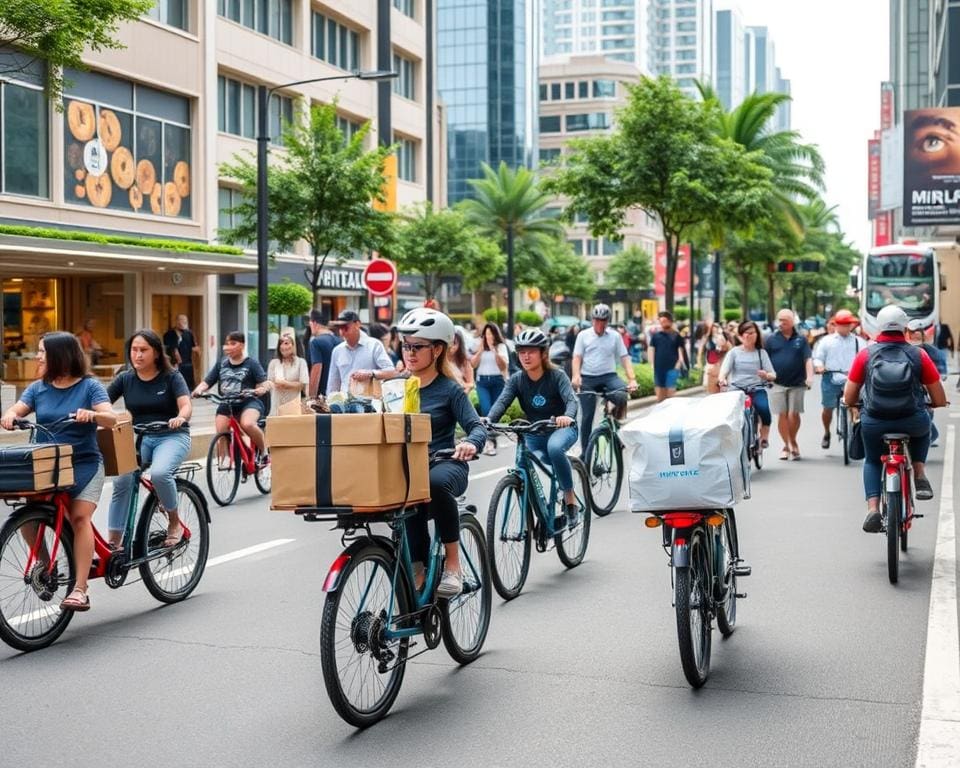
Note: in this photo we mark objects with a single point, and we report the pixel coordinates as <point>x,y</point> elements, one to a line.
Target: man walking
<point>359,358</point>
<point>321,346</point>
<point>669,356</point>
<point>792,360</point>
<point>180,345</point>
<point>832,359</point>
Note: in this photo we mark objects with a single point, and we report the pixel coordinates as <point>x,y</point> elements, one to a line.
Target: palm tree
<point>508,207</point>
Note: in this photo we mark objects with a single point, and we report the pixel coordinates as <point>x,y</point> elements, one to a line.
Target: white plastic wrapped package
<point>689,454</point>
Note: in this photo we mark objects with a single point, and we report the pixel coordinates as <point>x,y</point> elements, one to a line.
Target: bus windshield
<point>905,279</point>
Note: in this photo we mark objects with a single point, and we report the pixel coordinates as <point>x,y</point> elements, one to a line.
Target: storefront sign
<point>681,282</point>
<point>873,178</point>
<point>342,279</point>
<point>886,106</point>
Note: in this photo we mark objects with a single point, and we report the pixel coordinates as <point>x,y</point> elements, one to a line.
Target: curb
<point>643,402</point>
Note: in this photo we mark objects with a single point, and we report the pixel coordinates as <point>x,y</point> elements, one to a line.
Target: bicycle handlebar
<point>446,454</point>
<point>154,427</point>
<point>601,394</point>
<point>236,397</point>
<point>523,428</point>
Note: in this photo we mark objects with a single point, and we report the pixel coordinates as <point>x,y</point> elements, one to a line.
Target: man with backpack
<point>832,358</point>
<point>893,375</point>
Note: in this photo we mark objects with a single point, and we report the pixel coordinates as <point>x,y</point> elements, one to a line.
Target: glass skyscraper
<point>486,76</point>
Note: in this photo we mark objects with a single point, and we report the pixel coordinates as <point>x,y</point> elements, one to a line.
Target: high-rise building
<point>681,41</point>
<point>616,29</point>
<point>910,31</point>
<point>761,65</point>
<point>782,120</point>
<point>486,76</point>
<point>730,68</point>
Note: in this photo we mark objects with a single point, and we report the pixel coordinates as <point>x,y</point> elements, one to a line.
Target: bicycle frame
<point>526,464</point>
<point>245,453</point>
<point>897,469</point>
<point>682,525</point>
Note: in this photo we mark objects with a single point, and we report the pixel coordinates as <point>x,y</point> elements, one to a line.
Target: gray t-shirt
<point>740,367</point>
<point>600,353</point>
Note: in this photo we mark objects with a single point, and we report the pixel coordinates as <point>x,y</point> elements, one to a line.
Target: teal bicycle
<point>604,460</point>
<point>521,514</point>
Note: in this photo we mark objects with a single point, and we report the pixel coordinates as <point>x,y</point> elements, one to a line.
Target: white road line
<point>489,472</point>
<point>939,742</point>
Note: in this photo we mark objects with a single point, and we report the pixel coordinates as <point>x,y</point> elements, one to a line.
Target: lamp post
<point>263,198</point>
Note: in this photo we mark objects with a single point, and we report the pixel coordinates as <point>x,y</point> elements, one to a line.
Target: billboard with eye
<point>931,166</point>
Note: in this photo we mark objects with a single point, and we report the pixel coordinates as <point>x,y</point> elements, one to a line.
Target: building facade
<point>615,29</point>
<point>730,67</point>
<point>681,41</point>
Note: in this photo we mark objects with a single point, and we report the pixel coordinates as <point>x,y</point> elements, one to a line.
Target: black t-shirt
<point>668,346</point>
<point>246,374</point>
<point>182,343</point>
<point>321,350</point>
<point>153,400</point>
<point>789,357</point>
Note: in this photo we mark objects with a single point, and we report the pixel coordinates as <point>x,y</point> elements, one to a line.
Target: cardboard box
<point>36,467</point>
<point>118,447</point>
<point>350,460</point>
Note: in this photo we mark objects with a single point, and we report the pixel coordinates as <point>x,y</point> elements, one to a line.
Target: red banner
<point>873,178</point>
<point>882,226</point>
<point>681,282</point>
<point>886,106</point>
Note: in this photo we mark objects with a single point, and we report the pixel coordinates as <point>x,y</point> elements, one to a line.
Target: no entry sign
<point>380,277</point>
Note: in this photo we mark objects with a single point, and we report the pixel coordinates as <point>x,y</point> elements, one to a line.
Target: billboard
<point>886,106</point>
<point>681,281</point>
<point>891,168</point>
<point>873,178</point>
<point>931,166</point>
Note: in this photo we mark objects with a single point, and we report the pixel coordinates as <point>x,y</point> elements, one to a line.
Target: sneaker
<point>559,523</point>
<point>924,489</point>
<point>873,522</point>
<point>572,516</point>
<point>825,443</point>
<point>451,584</point>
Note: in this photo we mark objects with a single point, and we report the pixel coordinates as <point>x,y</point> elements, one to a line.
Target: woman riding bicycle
<point>152,390</point>
<point>882,414</point>
<point>427,335</point>
<point>748,367</point>
<point>544,392</point>
<point>66,389</point>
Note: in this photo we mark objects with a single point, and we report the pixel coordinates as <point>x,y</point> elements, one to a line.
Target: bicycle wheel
<point>362,670</point>
<point>605,469</point>
<point>464,619</point>
<point>892,501</point>
<point>223,469</point>
<point>572,543</point>
<point>727,608</point>
<point>693,613</point>
<point>30,615</point>
<point>263,476</point>
<point>844,431</point>
<point>173,576</point>
<point>509,537</point>
<point>757,448</point>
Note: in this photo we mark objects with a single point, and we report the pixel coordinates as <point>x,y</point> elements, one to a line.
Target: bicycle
<point>897,508</point>
<point>37,566</point>
<point>231,458</point>
<point>843,420</point>
<point>604,460</point>
<point>705,562</point>
<point>520,514</point>
<point>373,609</point>
<point>752,439</point>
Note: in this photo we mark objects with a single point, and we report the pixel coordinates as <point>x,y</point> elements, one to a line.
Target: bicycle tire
<point>572,544</point>
<point>31,619</point>
<point>184,566</point>
<point>893,501</point>
<point>503,537</point>
<point>465,619</point>
<point>757,448</point>
<point>604,462</point>
<point>369,562</point>
<point>263,477</point>
<point>727,607</point>
<point>223,481</point>
<point>693,615</point>
<point>844,434</point>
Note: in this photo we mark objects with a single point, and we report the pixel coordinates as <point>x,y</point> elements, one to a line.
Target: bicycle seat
<point>890,436</point>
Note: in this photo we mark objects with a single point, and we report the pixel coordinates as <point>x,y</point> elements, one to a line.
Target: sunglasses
<point>415,348</point>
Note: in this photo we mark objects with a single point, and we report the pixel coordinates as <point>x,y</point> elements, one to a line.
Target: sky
<point>835,54</point>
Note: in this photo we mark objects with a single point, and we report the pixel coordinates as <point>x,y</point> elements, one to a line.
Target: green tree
<point>438,243</point>
<point>57,32</point>
<point>565,273</point>
<point>632,270</point>
<point>665,159</point>
<point>321,189</point>
<point>286,299</point>
<point>509,208</point>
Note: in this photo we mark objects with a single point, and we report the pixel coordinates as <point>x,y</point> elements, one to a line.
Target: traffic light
<point>798,266</point>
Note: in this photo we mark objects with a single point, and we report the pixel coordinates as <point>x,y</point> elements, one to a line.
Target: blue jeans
<point>616,392</point>
<point>762,403</point>
<point>165,453</point>
<point>873,430</point>
<point>488,390</point>
<point>553,448</point>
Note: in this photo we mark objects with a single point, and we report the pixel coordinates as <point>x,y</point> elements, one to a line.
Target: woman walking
<point>288,375</point>
<point>491,363</point>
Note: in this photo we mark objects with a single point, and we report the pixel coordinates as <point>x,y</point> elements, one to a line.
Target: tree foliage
<point>285,298</point>
<point>631,269</point>
<point>565,273</point>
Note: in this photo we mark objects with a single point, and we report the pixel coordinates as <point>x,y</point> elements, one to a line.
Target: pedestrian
<point>457,355</point>
<point>490,362</point>
<point>669,357</point>
<point>322,343</point>
<point>359,358</point>
<point>180,344</point>
<point>832,357</point>
<point>288,374</point>
<point>792,360</point>
<point>711,351</point>
<point>91,347</point>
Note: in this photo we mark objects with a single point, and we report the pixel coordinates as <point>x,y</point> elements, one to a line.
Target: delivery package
<point>366,461</point>
<point>36,467</point>
<point>118,446</point>
<point>689,454</point>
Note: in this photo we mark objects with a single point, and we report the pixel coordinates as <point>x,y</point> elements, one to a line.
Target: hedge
<point>142,242</point>
<point>644,374</point>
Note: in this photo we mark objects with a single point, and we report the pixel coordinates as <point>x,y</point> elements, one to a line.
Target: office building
<point>910,35</point>
<point>681,41</point>
<point>730,69</point>
<point>615,29</point>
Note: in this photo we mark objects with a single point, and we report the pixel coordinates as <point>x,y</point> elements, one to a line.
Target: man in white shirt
<point>359,358</point>
<point>832,358</point>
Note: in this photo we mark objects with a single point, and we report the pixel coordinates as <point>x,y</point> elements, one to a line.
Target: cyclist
<point>427,335</point>
<point>235,373</point>
<point>748,367</point>
<point>544,392</point>
<point>66,388</point>
<point>152,390</point>
<point>832,358</point>
<point>893,375</point>
<point>595,355</point>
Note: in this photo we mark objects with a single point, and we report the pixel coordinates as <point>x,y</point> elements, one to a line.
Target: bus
<point>905,275</point>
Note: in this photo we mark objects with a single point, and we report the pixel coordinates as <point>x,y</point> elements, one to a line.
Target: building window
<point>686,26</point>
<point>577,246</point>
<point>348,127</point>
<point>404,6</point>
<point>407,159</point>
<point>550,155</point>
<point>279,115</point>
<point>405,85</point>
<point>593,247</point>
<point>335,43</point>
<point>683,40</point>
<point>268,17</point>
<point>612,247</point>
<point>604,89</point>
<point>237,110</point>
<point>175,13</point>
<point>543,92</point>
<point>588,122</point>
<point>687,55</point>
<point>127,147</point>
<point>583,89</point>
<point>686,69</point>
<point>24,161</point>
<point>568,90</point>
<point>555,91</point>
<point>688,12</point>
<point>550,124</point>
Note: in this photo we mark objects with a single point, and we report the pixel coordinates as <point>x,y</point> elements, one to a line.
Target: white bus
<point>905,275</point>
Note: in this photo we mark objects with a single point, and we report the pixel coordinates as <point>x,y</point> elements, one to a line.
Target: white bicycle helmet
<point>601,312</point>
<point>892,318</point>
<point>425,323</point>
<point>532,337</point>
<point>917,325</point>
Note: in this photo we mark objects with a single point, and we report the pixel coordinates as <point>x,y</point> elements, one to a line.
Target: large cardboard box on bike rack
<point>36,467</point>
<point>689,454</point>
<point>349,460</point>
<point>118,447</point>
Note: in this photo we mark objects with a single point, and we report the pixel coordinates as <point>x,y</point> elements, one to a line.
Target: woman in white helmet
<point>893,375</point>
<point>427,334</point>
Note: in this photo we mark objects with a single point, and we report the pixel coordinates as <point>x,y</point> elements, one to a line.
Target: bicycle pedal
<point>915,515</point>
<point>741,594</point>
<point>742,570</point>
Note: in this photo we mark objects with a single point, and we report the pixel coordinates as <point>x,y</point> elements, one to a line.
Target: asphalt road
<point>825,668</point>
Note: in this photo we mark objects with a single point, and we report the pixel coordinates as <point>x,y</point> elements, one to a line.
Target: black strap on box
<point>323,460</point>
<point>407,439</point>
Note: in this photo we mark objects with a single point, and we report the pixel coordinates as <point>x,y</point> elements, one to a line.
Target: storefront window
<point>176,13</point>
<point>25,147</point>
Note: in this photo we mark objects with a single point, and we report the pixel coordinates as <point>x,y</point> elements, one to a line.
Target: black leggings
<point>448,480</point>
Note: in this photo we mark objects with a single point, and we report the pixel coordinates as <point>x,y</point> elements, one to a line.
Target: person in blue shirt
<point>66,389</point>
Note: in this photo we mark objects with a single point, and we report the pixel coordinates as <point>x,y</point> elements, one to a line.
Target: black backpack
<point>892,387</point>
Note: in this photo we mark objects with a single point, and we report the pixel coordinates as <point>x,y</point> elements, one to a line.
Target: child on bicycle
<point>544,392</point>
<point>747,366</point>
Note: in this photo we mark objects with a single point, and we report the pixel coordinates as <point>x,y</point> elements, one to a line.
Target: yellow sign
<point>533,294</point>
<point>389,185</point>
<point>649,308</point>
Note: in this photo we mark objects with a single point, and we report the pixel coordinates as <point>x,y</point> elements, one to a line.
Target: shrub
<point>284,299</point>
<point>512,413</point>
<point>731,314</point>
<point>528,317</point>
<point>495,315</point>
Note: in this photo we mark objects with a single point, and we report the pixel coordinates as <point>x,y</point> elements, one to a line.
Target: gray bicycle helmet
<point>892,318</point>
<point>601,312</point>
<point>532,337</point>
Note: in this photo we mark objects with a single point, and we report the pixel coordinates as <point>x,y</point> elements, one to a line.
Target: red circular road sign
<point>380,277</point>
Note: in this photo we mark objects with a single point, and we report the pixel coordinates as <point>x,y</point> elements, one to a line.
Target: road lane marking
<point>490,472</point>
<point>939,742</point>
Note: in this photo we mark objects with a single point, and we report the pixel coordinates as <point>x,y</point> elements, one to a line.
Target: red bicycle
<point>37,565</point>
<point>896,499</point>
<point>232,458</point>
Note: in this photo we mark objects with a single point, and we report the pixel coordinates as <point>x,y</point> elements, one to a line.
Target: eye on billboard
<point>931,166</point>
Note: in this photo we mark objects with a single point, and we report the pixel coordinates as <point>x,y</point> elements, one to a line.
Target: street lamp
<point>263,141</point>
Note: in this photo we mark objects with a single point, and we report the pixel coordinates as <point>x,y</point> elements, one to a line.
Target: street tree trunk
<point>510,307</point>
<point>673,246</point>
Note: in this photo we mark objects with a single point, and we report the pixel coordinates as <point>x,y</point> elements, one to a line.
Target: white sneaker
<point>451,584</point>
